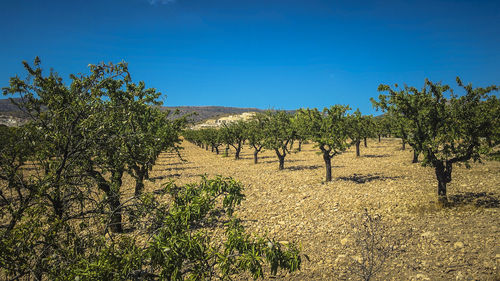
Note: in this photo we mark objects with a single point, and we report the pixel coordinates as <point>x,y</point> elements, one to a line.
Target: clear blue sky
<point>282,54</point>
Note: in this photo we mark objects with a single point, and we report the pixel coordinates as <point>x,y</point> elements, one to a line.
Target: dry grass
<point>461,242</point>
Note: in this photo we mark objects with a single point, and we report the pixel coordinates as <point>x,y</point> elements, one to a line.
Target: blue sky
<point>282,54</point>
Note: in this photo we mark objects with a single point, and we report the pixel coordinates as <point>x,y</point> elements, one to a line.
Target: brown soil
<point>461,242</point>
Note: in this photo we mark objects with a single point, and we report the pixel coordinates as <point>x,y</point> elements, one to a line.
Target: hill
<point>9,111</point>
<point>201,113</point>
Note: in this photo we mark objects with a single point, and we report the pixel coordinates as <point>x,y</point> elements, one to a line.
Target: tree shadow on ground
<point>359,178</point>
<point>495,156</point>
<point>170,164</point>
<point>478,199</point>
<point>250,156</point>
<point>164,177</point>
<point>375,156</point>
<point>286,161</point>
<point>304,167</point>
<point>175,169</point>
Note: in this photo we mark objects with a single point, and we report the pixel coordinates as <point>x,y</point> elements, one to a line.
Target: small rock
<point>459,276</point>
<point>458,245</point>
<point>427,234</point>
<point>344,241</point>
<point>421,276</point>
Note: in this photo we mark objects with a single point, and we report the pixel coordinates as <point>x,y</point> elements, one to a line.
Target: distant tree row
<point>333,130</point>
<point>445,129</point>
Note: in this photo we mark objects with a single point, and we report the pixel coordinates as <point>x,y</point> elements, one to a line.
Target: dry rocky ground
<point>461,242</point>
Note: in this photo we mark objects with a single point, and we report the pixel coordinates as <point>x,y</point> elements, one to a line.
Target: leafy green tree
<point>382,126</point>
<point>148,133</point>
<point>214,138</point>
<point>359,128</point>
<point>300,129</point>
<point>119,102</point>
<point>278,134</point>
<point>193,136</point>
<point>370,128</point>
<point>410,99</point>
<point>450,127</point>
<point>255,133</point>
<point>234,134</point>
<point>329,130</point>
<point>56,195</point>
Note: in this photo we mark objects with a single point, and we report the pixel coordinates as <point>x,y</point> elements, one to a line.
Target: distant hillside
<point>198,113</point>
<point>209,112</point>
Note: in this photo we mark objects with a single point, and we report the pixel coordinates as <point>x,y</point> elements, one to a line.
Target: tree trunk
<point>226,152</point>
<point>112,192</point>
<point>357,147</point>
<point>415,156</point>
<point>114,202</point>
<point>443,175</point>
<point>379,138</point>
<point>206,147</point>
<point>255,157</point>
<point>328,165</point>
<point>300,145</point>
<point>282,162</point>
<point>489,141</point>
<point>281,159</point>
<point>217,150</point>
<point>237,151</point>
<point>212,148</point>
<point>139,182</point>
<point>404,144</point>
<point>366,145</point>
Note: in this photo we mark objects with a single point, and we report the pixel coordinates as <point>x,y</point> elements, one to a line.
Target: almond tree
<point>278,134</point>
<point>255,133</point>
<point>329,130</point>
<point>214,138</point>
<point>233,134</point>
<point>61,196</point>
<point>400,125</point>
<point>149,132</point>
<point>449,127</point>
<point>300,130</point>
<point>359,129</point>
<point>382,126</point>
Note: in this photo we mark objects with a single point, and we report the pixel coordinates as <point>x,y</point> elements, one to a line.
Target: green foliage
<point>213,137</point>
<point>360,127</point>
<point>447,128</point>
<point>61,209</point>
<point>234,134</point>
<point>491,120</point>
<point>278,134</point>
<point>328,129</point>
<point>255,133</point>
<point>184,243</point>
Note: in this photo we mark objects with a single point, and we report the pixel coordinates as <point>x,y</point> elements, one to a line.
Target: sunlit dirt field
<point>461,242</point>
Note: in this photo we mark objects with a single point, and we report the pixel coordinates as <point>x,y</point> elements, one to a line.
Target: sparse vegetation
<point>371,246</point>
